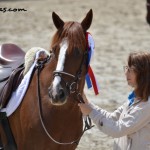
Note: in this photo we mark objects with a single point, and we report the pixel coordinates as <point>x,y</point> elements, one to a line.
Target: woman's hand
<point>85,107</point>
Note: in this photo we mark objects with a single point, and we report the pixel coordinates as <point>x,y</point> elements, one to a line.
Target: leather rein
<point>72,88</point>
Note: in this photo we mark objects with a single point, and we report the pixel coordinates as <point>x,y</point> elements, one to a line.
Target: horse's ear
<point>57,21</point>
<point>86,23</point>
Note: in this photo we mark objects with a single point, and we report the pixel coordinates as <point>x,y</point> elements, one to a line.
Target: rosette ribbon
<point>90,77</point>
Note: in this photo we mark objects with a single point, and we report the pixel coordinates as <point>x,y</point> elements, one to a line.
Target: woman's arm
<point>111,115</point>
<point>131,122</point>
<point>88,107</point>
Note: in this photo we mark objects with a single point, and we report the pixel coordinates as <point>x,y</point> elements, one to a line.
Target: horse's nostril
<point>57,96</point>
<point>61,94</point>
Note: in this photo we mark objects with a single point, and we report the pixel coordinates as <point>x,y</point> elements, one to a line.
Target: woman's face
<point>130,76</point>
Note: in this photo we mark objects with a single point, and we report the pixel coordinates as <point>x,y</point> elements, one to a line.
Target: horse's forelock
<point>74,33</point>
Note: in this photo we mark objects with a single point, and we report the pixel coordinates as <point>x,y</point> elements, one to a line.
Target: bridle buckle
<point>73,87</point>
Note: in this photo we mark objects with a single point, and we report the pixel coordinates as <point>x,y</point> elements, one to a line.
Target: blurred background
<point>118,28</point>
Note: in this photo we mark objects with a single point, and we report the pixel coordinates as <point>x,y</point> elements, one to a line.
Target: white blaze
<point>60,63</point>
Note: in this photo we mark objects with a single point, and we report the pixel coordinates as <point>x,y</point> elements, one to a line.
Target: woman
<point>130,123</point>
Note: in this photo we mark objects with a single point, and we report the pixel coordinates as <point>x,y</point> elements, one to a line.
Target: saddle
<point>11,68</point>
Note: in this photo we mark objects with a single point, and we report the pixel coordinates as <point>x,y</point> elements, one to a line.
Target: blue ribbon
<point>88,81</point>
<point>87,78</point>
<point>89,56</point>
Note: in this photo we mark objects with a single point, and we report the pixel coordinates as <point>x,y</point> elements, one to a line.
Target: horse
<point>48,117</point>
<point>148,12</point>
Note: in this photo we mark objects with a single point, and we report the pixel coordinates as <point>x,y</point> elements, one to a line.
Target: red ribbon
<point>91,74</point>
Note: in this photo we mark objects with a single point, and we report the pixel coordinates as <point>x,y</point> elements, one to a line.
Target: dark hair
<point>141,62</point>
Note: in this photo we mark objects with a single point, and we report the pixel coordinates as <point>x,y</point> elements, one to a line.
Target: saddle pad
<point>18,95</point>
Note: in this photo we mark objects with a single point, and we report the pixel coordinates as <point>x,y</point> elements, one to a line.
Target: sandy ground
<point>118,27</point>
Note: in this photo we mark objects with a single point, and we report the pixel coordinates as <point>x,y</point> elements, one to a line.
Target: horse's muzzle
<point>58,95</point>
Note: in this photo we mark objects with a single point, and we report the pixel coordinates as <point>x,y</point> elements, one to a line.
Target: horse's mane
<point>74,33</point>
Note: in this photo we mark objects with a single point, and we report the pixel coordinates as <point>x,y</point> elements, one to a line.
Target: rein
<point>88,123</point>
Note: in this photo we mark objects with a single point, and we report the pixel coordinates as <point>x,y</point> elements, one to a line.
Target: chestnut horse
<point>148,12</point>
<point>56,94</point>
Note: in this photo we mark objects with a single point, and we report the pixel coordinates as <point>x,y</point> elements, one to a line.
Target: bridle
<point>72,88</point>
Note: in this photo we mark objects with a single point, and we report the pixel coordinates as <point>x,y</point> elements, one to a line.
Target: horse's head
<point>148,12</point>
<point>69,49</point>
